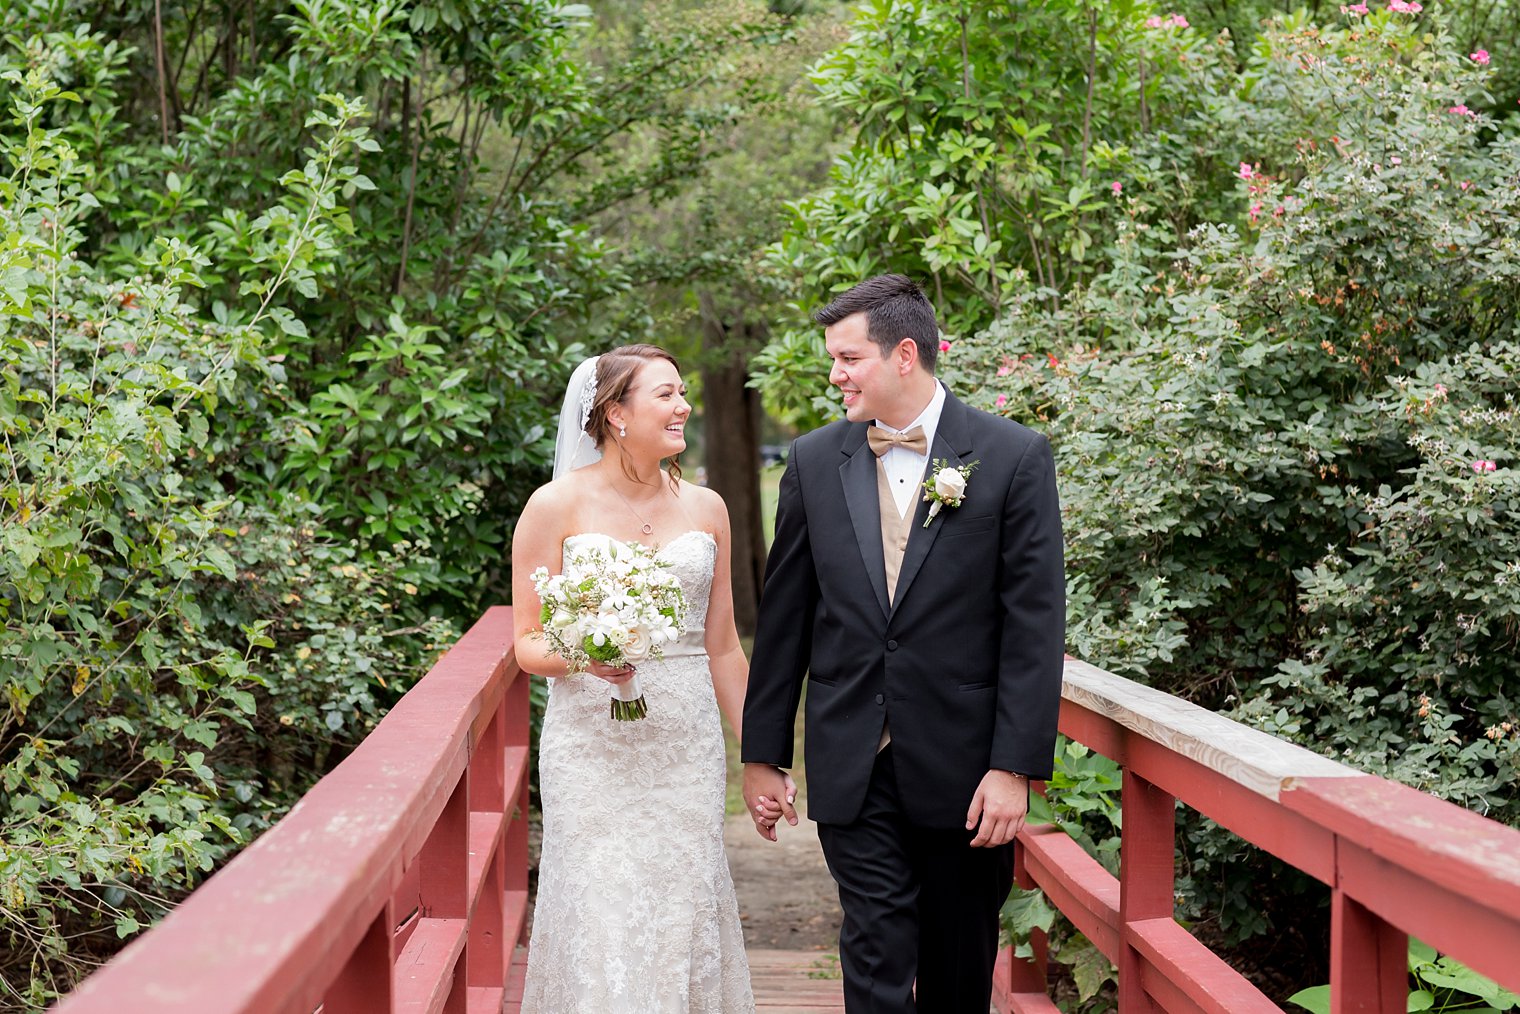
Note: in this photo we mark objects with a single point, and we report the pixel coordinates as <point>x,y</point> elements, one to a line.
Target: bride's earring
<point>622,431</point>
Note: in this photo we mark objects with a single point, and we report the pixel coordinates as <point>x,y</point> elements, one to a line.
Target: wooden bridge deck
<point>786,982</point>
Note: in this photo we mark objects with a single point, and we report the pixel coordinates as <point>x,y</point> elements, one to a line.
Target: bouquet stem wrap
<point>628,701</point>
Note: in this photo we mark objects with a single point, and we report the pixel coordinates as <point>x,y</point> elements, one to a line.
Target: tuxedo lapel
<point>858,474</point>
<point>952,443</point>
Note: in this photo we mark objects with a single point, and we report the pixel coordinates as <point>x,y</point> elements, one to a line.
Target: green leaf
<point>1315,998</point>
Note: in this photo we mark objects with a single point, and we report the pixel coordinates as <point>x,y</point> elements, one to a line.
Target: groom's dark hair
<point>895,308</point>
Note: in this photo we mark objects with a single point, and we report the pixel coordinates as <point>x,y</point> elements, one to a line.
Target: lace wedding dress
<point>636,911</point>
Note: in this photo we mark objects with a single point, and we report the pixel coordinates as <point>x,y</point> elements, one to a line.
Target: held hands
<point>1000,805</point>
<point>768,796</point>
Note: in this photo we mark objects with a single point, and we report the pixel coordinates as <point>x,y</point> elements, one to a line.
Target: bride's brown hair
<point>615,371</point>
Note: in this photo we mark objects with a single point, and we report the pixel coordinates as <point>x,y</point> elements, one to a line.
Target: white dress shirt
<point>905,468</point>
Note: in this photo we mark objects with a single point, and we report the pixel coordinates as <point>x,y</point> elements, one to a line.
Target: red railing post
<point>1146,856</point>
<point>1025,975</point>
<point>518,705</point>
<point>487,949</point>
<point>363,986</point>
<point>1368,961</point>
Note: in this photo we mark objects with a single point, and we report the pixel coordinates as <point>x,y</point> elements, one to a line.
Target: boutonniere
<point>947,486</point>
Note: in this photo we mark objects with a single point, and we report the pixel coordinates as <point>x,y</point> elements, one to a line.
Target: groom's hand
<point>768,796</point>
<point>1000,805</point>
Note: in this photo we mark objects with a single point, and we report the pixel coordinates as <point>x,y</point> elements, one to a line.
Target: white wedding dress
<point>636,911</point>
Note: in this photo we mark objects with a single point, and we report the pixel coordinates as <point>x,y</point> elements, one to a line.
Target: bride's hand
<point>616,675</point>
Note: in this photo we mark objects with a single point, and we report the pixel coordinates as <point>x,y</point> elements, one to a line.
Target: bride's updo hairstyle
<point>615,373</point>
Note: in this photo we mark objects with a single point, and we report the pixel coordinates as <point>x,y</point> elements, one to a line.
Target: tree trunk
<point>731,416</point>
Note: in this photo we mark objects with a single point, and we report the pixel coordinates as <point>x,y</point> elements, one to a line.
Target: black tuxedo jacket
<point>966,663</point>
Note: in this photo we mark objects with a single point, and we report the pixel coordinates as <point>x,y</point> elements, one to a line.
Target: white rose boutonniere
<point>946,486</point>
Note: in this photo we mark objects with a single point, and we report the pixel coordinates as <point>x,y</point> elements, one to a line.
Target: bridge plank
<point>425,970</point>
<point>1080,887</point>
<point>1254,759</point>
<point>1199,974</point>
<point>1434,869</point>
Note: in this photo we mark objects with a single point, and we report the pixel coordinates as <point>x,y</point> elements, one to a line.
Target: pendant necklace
<point>644,526</point>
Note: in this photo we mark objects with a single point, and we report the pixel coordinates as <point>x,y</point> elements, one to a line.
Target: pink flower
<point>1054,362</point>
<point>1396,160</point>
<point>1465,184</point>
<point>1481,466</point>
<point>1460,109</point>
<point>1357,9</point>
<point>1400,7</point>
<point>1170,21</point>
<point>944,346</point>
<point>1004,370</point>
<point>1480,57</point>
<point>1116,187</point>
<point>1255,210</point>
<point>1247,171</point>
<point>1440,390</point>
<point>1002,400</point>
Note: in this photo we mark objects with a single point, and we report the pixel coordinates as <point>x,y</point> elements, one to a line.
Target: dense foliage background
<point>288,291</point>
<point>1261,292</point>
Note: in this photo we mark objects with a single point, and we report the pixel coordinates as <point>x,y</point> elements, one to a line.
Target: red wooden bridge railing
<point>1396,860</point>
<point>398,883</point>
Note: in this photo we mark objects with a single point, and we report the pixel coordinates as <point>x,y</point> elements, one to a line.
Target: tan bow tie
<point>882,441</point>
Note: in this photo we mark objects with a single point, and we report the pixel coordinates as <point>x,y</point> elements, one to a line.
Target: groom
<point>932,645</point>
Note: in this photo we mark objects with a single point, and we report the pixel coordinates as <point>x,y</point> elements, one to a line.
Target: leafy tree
<point>1280,377</point>
<point>278,367</point>
<point>694,257</point>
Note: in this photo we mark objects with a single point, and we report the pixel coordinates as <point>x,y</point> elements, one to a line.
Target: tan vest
<point>895,529</point>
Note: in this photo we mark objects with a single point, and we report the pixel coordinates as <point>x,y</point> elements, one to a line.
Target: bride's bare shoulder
<point>713,511</point>
<point>554,503</point>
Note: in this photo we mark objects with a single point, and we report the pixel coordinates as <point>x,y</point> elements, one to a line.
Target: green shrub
<point>1279,381</point>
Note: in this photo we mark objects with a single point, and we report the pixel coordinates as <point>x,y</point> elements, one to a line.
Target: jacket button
<point>880,699</point>
<point>891,645</point>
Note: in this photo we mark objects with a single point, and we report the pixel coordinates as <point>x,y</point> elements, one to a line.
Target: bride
<point>636,910</point>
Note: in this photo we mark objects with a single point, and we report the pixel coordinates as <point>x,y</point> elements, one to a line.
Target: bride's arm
<point>730,669</point>
<point>537,542</point>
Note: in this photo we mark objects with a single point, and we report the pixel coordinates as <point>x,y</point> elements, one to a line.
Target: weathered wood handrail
<point>1396,860</point>
<point>399,882</point>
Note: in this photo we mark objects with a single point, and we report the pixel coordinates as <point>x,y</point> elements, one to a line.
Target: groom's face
<point>870,384</point>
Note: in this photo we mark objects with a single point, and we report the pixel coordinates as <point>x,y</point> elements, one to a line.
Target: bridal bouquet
<point>618,605</point>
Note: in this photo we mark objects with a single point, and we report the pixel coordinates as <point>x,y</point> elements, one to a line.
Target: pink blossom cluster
<point>1460,109</point>
<point>1002,400</point>
<point>1170,21</point>
<point>1479,56</point>
<point>1357,9</point>
<point>1480,466</point>
<point>1401,7</point>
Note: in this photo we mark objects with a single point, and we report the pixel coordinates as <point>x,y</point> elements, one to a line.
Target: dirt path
<point>787,899</point>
